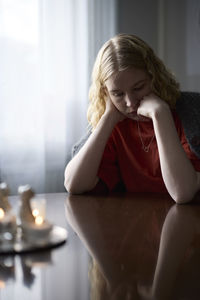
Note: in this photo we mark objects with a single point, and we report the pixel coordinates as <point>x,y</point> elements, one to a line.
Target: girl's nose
<point>131,101</point>
<point>128,101</point>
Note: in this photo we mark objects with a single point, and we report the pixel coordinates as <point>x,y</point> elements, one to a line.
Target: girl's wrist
<point>113,117</point>
<point>160,112</point>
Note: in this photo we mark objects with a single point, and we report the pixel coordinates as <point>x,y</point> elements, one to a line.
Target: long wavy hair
<point>118,54</point>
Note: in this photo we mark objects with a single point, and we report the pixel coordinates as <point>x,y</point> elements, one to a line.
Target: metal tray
<point>57,236</point>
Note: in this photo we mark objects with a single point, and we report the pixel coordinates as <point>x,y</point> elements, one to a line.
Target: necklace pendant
<point>146,149</point>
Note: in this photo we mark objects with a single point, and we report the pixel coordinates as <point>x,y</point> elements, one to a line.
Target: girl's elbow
<point>71,188</point>
<point>76,187</point>
<point>67,186</point>
<point>69,183</point>
<point>183,198</point>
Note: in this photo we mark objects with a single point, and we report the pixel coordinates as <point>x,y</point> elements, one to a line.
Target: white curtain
<point>47,48</point>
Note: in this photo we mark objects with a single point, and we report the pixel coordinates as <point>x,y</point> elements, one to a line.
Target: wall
<point>172,28</point>
<point>139,17</point>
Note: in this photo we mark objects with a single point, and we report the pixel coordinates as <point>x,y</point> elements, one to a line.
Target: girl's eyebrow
<point>114,91</point>
<point>135,84</point>
<point>140,81</point>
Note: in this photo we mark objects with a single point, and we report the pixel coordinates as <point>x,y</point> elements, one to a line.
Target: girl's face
<point>127,89</point>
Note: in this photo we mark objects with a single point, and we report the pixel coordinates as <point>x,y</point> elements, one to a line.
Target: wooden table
<point>131,246</point>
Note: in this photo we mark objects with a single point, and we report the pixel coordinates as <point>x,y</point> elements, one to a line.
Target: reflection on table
<point>51,273</point>
<point>118,247</point>
<point>141,246</point>
<point>27,263</point>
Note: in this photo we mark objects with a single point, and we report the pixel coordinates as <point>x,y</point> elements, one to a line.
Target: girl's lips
<point>132,114</point>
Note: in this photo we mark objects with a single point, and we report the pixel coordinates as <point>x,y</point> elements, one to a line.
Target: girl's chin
<point>136,117</point>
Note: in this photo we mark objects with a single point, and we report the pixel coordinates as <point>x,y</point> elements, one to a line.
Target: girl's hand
<point>151,105</point>
<point>111,110</point>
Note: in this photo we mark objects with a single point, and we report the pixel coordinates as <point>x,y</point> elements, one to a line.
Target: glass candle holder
<point>38,206</point>
<point>7,226</point>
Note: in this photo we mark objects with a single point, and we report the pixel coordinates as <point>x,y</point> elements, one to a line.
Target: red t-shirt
<point>125,161</point>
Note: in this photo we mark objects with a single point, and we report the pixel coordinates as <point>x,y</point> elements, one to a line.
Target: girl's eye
<point>139,87</point>
<point>117,94</point>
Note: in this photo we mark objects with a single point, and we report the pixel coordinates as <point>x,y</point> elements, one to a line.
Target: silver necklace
<point>147,147</point>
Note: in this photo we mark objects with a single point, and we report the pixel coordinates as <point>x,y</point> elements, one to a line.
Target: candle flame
<point>2,283</point>
<point>39,220</point>
<point>2,213</point>
<point>35,212</point>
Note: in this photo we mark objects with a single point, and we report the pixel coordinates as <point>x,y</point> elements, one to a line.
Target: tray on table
<point>57,236</point>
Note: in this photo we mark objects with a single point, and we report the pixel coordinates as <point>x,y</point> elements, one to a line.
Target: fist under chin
<point>139,118</point>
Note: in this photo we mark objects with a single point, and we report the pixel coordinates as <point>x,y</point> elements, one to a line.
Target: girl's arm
<point>81,171</point>
<point>179,175</point>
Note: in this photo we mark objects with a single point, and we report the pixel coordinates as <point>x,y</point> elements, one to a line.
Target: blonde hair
<point>98,282</point>
<point>120,53</point>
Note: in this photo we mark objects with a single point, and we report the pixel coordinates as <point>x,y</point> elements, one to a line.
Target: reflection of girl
<point>177,270</point>
<point>137,140</point>
<point>101,289</point>
<point>122,235</point>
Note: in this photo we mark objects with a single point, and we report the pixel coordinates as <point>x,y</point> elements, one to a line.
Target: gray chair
<point>188,110</point>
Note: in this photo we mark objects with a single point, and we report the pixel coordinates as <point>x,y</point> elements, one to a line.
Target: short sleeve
<point>109,169</point>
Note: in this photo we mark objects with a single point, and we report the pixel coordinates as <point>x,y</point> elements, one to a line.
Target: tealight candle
<point>7,223</point>
<point>2,284</point>
<point>35,212</point>
<point>6,220</point>
<point>39,220</point>
<point>37,231</point>
<point>2,213</point>
<point>38,206</point>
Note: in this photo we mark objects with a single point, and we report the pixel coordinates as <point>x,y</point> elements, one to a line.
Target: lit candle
<point>2,213</point>
<point>38,206</point>
<point>2,284</point>
<point>39,220</point>
<point>35,212</point>
<point>37,231</point>
<point>7,222</point>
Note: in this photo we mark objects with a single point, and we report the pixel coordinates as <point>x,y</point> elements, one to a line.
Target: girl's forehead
<point>129,76</point>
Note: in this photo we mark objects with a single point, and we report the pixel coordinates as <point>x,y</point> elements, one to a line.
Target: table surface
<point>131,246</point>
